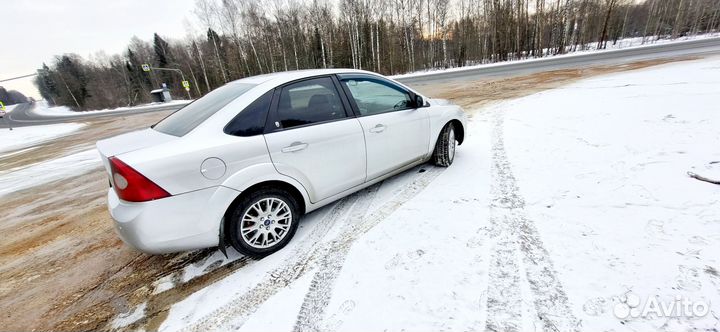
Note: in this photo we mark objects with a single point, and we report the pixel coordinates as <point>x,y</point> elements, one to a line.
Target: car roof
<point>287,76</point>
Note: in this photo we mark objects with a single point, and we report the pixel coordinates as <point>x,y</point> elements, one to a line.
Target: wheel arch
<point>277,184</point>
<point>459,130</point>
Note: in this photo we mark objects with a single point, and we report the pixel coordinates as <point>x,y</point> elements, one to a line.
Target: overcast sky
<point>34,31</point>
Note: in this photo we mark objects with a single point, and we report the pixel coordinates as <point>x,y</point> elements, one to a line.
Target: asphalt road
<point>22,115</point>
<point>702,47</point>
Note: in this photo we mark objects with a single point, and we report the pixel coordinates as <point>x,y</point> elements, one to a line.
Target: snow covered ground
<point>565,210</point>
<point>602,167</point>
<point>15,179</point>
<point>21,137</point>
<point>63,111</point>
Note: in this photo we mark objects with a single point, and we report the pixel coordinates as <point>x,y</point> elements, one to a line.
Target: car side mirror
<point>419,102</point>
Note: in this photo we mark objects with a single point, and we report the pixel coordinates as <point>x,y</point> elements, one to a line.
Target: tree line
<point>240,38</point>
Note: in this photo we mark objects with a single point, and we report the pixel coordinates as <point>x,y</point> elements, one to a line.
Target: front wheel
<point>444,153</point>
<point>263,222</point>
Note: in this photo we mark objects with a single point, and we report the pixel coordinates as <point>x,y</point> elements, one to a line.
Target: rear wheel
<point>444,153</point>
<point>263,222</point>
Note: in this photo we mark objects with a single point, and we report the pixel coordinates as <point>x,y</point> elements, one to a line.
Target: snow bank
<point>21,137</point>
<point>41,108</point>
<point>47,171</point>
<point>602,165</point>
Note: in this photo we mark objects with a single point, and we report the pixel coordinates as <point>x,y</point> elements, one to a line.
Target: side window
<point>251,120</point>
<point>375,96</point>
<point>311,101</point>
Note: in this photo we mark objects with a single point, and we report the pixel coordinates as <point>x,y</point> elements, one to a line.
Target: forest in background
<point>239,38</point>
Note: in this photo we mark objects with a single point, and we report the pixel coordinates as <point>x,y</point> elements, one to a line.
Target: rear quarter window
<point>251,120</point>
<point>189,117</point>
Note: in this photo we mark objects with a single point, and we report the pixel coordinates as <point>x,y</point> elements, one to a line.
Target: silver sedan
<point>242,164</point>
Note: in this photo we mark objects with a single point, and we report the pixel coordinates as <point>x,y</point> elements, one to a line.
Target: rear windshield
<point>187,118</point>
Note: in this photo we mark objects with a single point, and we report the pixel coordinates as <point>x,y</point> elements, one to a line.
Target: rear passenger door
<point>313,139</point>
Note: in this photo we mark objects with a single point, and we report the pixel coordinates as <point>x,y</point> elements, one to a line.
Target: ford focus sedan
<point>242,164</point>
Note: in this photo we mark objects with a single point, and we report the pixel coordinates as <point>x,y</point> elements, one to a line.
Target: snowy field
<point>565,210</point>
<point>602,168</point>
<point>15,179</point>
<point>22,137</point>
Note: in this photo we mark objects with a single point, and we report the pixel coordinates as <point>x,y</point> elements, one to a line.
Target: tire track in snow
<point>291,269</point>
<point>317,298</point>
<point>318,295</point>
<point>234,314</point>
<point>518,242</point>
<point>504,301</point>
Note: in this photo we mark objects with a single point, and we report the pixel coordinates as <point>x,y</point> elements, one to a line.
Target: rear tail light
<point>132,186</point>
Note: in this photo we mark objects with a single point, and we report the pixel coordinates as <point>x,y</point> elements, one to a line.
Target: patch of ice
<point>130,317</point>
<point>165,283</point>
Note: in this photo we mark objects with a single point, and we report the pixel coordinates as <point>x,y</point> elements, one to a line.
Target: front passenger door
<point>313,139</point>
<point>396,133</point>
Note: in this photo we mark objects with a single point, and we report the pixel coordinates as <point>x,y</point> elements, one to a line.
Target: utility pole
<point>146,67</point>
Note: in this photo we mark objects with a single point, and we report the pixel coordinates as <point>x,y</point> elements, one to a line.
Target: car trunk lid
<point>130,142</point>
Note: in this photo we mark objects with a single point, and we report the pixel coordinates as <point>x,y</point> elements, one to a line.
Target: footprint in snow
<point>397,260</point>
<point>474,242</point>
<point>596,306</point>
<point>697,239</point>
<point>689,278</point>
<point>656,229</point>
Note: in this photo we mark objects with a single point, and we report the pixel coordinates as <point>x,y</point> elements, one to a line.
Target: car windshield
<point>187,118</point>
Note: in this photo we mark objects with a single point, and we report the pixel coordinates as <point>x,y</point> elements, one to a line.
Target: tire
<point>444,153</point>
<point>264,226</point>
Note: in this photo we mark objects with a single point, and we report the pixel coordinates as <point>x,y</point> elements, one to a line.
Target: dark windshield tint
<point>187,118</point>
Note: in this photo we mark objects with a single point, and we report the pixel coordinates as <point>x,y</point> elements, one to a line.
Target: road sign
<point>186,84</point>
<point>145,67</point>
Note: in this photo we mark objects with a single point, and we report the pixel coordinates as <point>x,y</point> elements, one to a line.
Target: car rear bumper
<point>176,223</point>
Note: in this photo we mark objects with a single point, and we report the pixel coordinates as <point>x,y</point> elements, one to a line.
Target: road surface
<point>22,115</point>
<point>701,47</point>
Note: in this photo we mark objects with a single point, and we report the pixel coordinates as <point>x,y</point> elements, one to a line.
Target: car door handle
<point>294,147</point>
<point>379,128</point>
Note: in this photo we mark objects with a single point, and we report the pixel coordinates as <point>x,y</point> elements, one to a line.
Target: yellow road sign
<point>145,67</point>
<point>186,84</point>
